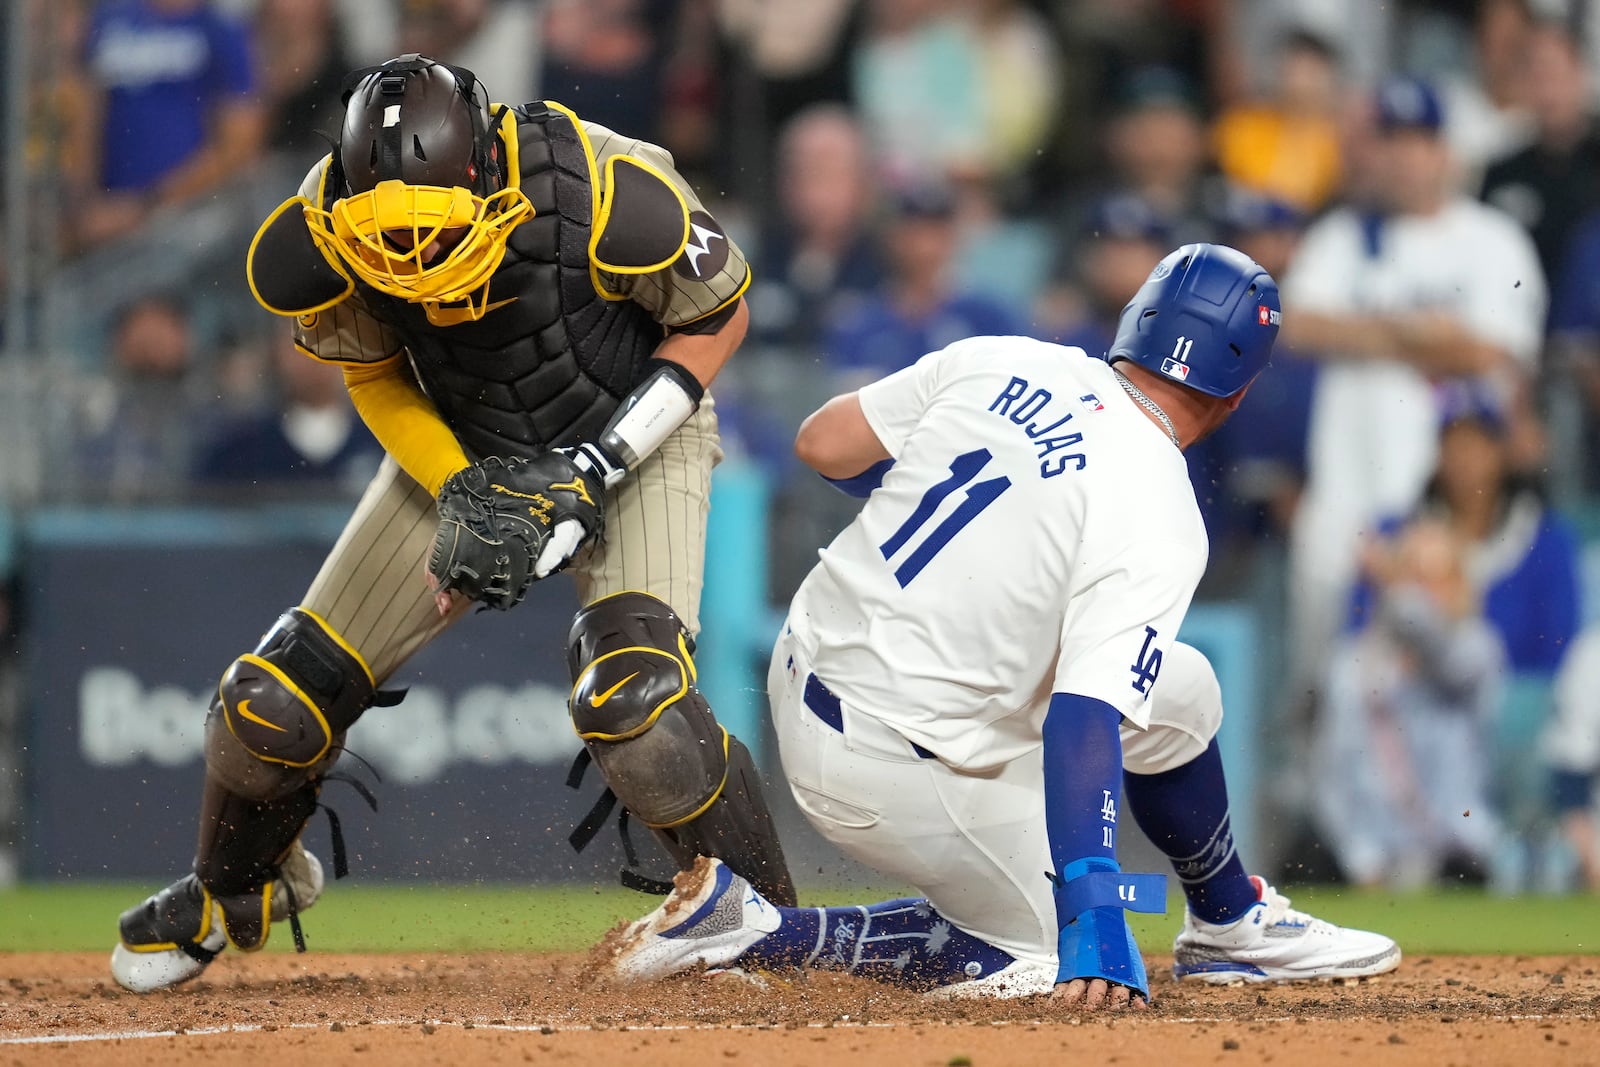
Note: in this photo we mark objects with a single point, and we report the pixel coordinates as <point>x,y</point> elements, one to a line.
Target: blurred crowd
<point>1407,495</point>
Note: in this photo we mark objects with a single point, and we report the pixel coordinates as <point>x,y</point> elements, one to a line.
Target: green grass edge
<point>75,917</point>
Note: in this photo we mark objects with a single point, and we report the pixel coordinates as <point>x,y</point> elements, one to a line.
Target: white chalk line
<point>548,1030</point>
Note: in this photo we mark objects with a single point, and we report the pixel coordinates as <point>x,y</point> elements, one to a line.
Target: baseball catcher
<point>527,308</point>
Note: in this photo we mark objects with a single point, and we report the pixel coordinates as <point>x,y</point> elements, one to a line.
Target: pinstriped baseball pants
<point>372,588</point>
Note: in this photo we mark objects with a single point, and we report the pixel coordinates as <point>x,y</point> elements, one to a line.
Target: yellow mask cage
<point>357,230</point>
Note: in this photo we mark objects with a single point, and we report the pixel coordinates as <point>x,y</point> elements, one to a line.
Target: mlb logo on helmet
<point>1267,317</point>
<point>1175,369</point>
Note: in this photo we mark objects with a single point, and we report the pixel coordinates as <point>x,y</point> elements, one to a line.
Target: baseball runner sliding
<point>983,667</point>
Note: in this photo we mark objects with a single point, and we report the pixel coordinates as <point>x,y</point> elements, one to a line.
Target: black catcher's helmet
<point>421,122</point>
<point>424,201</point>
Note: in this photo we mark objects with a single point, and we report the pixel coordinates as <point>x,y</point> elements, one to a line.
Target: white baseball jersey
<point>1374,424</point>
<point>1036,534</point>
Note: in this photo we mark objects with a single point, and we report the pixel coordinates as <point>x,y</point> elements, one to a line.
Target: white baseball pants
<point>975,845</point>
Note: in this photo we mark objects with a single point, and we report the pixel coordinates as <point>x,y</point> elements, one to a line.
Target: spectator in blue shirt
<point>918,310</point>
<point>1522,557</point>
<point>819,252</point>
<point>1248,475</point>
<point>165,112</point>
<point>1402,772</point>
<point>1574,334</point>
<point>134,418</point>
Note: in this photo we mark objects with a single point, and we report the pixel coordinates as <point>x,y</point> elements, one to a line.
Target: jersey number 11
<point>963,469</point>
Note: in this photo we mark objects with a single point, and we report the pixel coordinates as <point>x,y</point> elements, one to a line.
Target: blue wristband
<point>1096,941</point>
<point>862,485</point>
<point>1101,888</point>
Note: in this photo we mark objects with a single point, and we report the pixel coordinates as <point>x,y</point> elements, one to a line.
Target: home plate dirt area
<point>404,1009</point>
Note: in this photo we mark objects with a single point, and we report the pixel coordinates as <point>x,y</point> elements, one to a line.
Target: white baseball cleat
<point>175,934</point>
<point>708,920</point>
<point>1017,979</point>
<point>1274,943</point>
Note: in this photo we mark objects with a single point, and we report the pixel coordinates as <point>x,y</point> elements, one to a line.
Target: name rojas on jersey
<point>1041,416</point>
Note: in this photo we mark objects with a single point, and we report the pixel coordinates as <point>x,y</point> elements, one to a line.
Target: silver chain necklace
<point>1149,405</point>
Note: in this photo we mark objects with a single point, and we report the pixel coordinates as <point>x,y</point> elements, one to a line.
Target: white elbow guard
<point>649,414</point>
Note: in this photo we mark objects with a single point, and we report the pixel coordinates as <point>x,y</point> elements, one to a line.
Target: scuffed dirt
<point>521,1008</point>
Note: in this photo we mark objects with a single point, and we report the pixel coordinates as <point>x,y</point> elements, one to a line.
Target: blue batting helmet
<point>1205,318</point>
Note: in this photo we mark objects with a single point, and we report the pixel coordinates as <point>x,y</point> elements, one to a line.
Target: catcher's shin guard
<point>275,728</point>
<point>243,845</point>
<point>288,703</point>
<point>660,748</point>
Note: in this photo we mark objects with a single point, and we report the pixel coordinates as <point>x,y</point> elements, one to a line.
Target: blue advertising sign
<point>128,635</point>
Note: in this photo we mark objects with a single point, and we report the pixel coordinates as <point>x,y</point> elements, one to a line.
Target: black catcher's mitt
<point>506,523</point>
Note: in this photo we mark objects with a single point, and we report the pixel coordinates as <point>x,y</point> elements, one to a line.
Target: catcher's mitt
<point>498,517</point>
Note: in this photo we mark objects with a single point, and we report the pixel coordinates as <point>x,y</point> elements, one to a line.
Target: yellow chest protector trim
<point>594,192</point>
<point>288,272</point>
<point>643,223</point>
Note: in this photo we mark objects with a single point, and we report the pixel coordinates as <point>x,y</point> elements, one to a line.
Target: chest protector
<point>550,362</point>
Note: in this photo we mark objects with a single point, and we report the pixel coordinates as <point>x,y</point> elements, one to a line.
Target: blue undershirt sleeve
<point>1083,776</point>
<point>862,485</point>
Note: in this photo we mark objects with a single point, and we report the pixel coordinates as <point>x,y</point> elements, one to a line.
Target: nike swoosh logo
<point>246,713</point>
<point>455,316</point>
<point>596,701</point>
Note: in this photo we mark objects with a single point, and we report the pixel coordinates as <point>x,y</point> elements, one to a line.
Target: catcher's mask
<point>419,157</point>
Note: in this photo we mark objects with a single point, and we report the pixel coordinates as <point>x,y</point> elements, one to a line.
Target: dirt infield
<point>332,1009</point>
